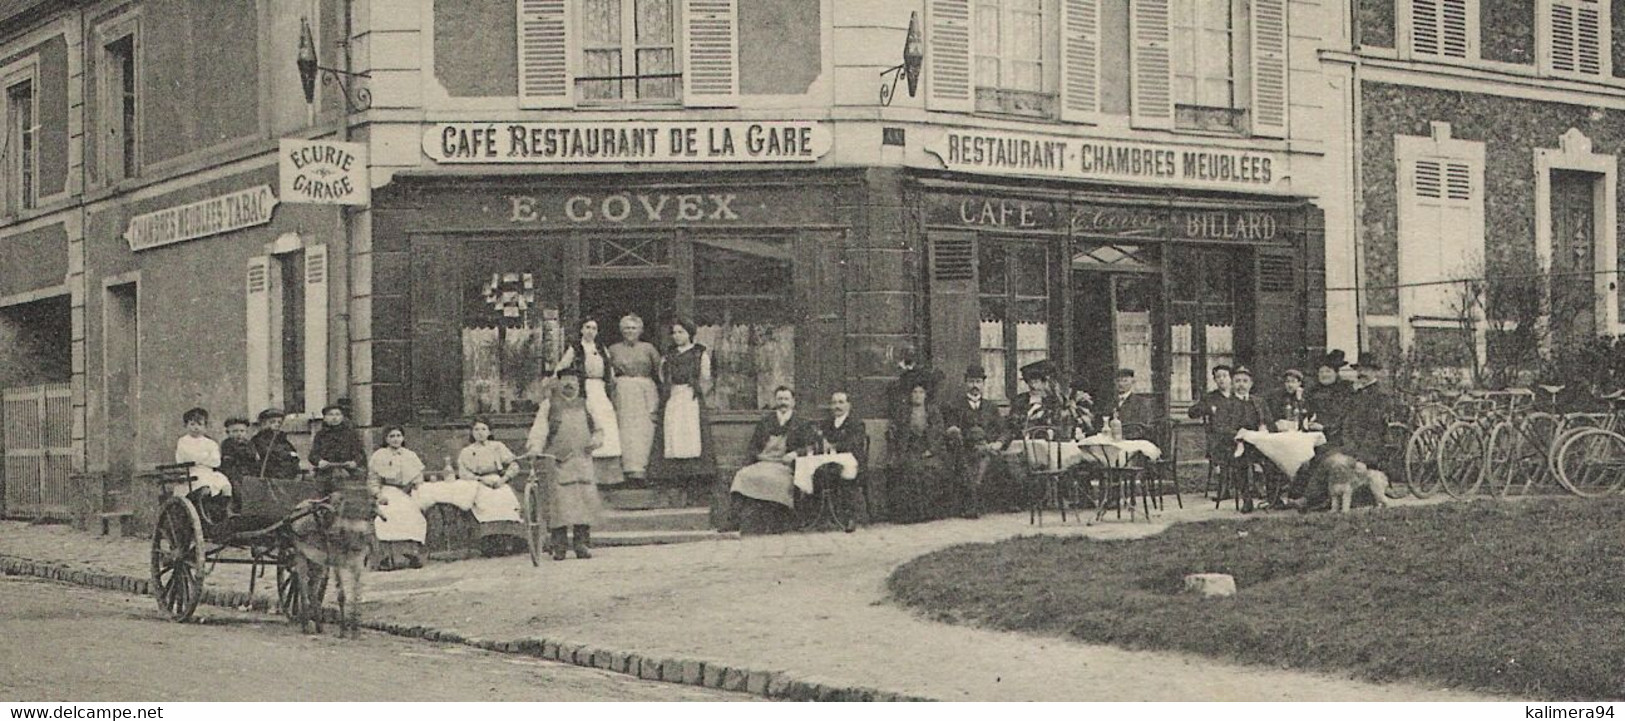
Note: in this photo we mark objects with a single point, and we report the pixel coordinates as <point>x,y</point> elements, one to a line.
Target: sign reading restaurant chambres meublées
<point>220,214</point>
<point>1002,153</point>
<point>627,142</point>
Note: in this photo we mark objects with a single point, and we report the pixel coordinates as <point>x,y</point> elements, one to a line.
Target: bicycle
<point>1521,445</point>
<point>1464,449</point>
<point>1590,461</point>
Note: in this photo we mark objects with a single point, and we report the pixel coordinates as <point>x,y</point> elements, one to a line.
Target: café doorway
<point>1116,303</point>
<point>608,299</point>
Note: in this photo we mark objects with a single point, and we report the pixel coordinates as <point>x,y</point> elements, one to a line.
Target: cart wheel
<point>290,588</point>
<point>535,528</point>
<point>177,559</point>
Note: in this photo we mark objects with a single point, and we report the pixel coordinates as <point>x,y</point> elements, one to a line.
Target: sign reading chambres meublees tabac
<point>791,141</point>
<point>220,214</point>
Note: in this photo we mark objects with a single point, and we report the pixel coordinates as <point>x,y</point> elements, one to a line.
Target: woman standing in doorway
<point>590,360</point>
<point>686,374</point>
<point>637,396</point>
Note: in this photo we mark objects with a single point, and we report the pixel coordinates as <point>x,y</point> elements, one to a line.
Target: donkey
<point>328,539</point>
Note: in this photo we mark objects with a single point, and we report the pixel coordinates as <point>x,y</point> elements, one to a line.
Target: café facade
<point>802,268</point>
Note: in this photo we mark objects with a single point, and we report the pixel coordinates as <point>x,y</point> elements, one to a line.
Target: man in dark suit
<point>1130,408</point>
<point>1214,407</point>
<point>841,433</point>
<point>1370,405</point>
<point>975,433</point>
<point>1289,404</point>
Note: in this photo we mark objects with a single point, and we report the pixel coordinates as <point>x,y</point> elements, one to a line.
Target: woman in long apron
<point>686,435</point>
<point>591,362</point>
<point>635,363</point>
<point>495,505</point>
<point>393,474</point>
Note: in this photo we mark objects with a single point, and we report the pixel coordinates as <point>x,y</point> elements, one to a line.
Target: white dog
<point>1344,474</point>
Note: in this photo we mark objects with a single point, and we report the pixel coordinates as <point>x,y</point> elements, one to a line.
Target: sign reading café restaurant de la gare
<point>1048,156</point>
<point>627,142</point>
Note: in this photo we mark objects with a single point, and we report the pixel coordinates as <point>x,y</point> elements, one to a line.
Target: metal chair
<point>1164,469</point>
<point>1122,480</point>
<point>1042,452</point>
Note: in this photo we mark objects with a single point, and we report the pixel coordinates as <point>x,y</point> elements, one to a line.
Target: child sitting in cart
<point>204,454</point>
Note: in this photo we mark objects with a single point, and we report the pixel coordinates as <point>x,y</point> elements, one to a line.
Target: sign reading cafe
<point>220,214</point>
<point>1003,153</point>
<point>627,142</point>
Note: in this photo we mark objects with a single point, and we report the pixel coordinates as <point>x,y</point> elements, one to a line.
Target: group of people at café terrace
<point>959,454</point>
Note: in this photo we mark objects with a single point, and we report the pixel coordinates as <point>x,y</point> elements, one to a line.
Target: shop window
<point>511,331</point>
<point>21,146</point>
<point>1014,303</point>
<point>744,309</point>
<point>1203,313</point>
<point>1008,51</point>
<point>119,105</point>
<point>628,52</point>
<point>1575,36</point>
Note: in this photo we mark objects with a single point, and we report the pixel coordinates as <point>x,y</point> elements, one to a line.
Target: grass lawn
<point>1526,598</point>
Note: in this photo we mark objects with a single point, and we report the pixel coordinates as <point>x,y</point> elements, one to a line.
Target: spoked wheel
<point>1592,464</point>
<point>1461,459</point>
<point>177,559</point>
<point>1394,439</point>
<point>1422,461</point>
<point>290,587</point>
<point>1540,431</point>
<point>1502,459</point>
<point>535,524</point>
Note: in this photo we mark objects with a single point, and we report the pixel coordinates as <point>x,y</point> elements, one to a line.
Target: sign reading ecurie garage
<point>324,172</point>
<point>998,153</point>
<point>628,142</point>
<point>221,214</point>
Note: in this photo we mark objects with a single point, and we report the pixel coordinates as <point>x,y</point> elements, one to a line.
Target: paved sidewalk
<point>810,606</point>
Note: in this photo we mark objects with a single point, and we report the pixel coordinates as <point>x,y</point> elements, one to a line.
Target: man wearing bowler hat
<point>975,434</point>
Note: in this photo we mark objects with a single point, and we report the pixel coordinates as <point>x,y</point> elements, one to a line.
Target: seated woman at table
<point>393,473</point>
<point>915,488</point>
<point>492,465</point>
<point>764,491</point>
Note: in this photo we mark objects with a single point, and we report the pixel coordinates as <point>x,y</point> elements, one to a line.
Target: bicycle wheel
<point>1422,461</point>
<point>1394,439</point>
<point>1591,464</point>
<point>1461,459</point>
<point>1540,430</point>
<point>1501,458</point>
<point>535,525</point>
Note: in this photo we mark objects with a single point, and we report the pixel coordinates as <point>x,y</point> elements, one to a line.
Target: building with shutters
<point>1485,136</point>
<point>1103,183</point>
<point>139,184</point>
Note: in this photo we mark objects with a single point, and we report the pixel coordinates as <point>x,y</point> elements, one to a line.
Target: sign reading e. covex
<point>628,142</point>
<point>220,214</point>
<point>1002,153</point>
<point>324,172</point>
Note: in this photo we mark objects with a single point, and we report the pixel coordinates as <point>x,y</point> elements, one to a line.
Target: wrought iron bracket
<point>357,97</point>
<point>889,92</point>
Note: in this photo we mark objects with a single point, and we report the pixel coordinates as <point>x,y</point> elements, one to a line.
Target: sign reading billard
<point>627,142</point>
<point>1001,153</point>
<point>220,214</point>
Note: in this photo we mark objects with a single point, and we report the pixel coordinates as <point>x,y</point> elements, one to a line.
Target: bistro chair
<point>1122,475</point>
<point>1164,470</point>
<point>1041,451</point>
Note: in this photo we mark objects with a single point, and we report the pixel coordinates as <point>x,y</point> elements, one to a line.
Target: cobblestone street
<point>811,606</point>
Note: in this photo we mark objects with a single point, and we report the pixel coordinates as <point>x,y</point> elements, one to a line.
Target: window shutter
<point>1080,60</point>
<point>258,378</point>
<point>1278,314</point>
<point>315,359</point>
<point>545,50</point>
<point>1270,105</point>
<point>437,342</point>
<point>955,317</point>
<point>1441,28</point>
<point>948,41</point>
<point>711,53</point>
<point>1580,40</point>
<point>1151,65</point>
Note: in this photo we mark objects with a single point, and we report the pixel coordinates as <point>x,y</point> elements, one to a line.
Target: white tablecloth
<point>1288,451</point>
<point>807,465</point>
<point>1097,450</point>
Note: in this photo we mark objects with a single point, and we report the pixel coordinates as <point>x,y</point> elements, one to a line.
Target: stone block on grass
<point>1211,585</point>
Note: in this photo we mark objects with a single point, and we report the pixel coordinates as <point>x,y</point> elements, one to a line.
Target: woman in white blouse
<point>495,506</point>
<point>393,475</point>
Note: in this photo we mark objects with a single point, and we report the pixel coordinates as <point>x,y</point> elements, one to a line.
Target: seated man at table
<point>1287,407</point>
<point>1130,408</point>
<point>1247,412</point>
<point>974,433</point>
<point>1042,404</point>
<point>764,491</point>
<point>841,433</point>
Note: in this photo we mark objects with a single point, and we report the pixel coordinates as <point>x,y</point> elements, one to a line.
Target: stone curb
<point>690,672</point>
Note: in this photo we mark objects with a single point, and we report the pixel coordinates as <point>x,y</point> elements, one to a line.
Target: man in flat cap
<point>1287,404</point>
<point>975,433</point>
